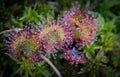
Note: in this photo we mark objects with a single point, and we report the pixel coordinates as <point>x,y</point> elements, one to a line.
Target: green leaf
<point>99,55</point>
<point>88,55</point>
<point>101,21</point>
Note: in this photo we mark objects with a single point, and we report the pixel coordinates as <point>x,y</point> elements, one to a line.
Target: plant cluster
<point>48,41</point>
<point>75,29</point>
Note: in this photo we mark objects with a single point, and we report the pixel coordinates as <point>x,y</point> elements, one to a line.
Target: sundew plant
<point>73,42</point>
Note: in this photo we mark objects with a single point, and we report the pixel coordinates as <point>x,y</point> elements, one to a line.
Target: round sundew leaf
<point>55,36</point>
<point>74,56</point>
<point>52,35</point>
<point>23,45</point>
<point>82,24</point>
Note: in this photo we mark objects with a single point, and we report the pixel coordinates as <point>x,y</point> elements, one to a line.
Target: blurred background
<point>17,13</point>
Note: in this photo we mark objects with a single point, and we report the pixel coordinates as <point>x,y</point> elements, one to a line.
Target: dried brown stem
<point>10,30</point>
<point>51,64</point>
